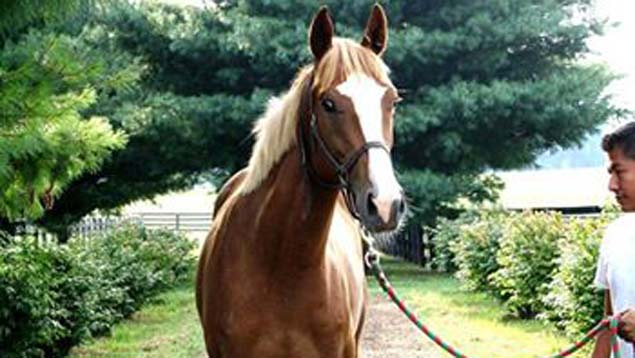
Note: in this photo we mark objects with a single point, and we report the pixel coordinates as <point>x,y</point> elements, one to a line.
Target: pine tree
<point>487,84</point>
<point>48,82</point>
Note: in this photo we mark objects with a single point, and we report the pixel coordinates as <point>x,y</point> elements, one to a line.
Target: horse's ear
<point>376,33</point>
<point>321,33</point>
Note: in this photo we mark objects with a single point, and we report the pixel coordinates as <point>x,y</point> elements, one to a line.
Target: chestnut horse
<point>281,272</point>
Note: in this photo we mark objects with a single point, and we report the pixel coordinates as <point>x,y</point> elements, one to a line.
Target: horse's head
<point>350,125</point>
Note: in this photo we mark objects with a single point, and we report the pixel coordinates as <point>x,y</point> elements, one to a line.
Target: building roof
<point>555,188</point>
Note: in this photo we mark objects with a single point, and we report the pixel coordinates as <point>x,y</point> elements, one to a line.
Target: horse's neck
<point>294,216</point>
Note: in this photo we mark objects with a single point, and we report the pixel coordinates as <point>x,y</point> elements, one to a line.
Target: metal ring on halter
<point>371,257</point>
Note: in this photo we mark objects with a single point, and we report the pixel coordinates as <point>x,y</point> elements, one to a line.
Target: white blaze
<point>366,95</point>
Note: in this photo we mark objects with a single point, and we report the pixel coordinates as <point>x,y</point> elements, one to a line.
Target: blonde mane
<point>275,130</point>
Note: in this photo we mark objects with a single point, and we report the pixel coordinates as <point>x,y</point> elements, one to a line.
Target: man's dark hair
<point>622,138</point>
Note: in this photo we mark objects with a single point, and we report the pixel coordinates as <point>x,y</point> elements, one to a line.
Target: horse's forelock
<point>344,59</point>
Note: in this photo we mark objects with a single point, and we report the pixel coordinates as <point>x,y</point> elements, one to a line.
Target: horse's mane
<point>275,130</point>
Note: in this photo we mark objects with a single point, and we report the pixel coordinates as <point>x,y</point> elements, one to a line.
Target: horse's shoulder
<point>228,189</point>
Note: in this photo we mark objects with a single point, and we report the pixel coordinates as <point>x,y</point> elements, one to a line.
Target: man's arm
<point>603,341</point>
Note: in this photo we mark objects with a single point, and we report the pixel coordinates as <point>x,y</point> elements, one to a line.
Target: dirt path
<point>388,333</point>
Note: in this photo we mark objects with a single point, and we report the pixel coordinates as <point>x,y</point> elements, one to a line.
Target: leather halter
<point>342,168</point>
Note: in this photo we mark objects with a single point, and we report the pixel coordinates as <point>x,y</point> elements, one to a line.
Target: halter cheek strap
<point>342,168</point>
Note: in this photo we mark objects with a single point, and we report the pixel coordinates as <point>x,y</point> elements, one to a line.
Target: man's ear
<point>376,32</point>
<point>321,33</point>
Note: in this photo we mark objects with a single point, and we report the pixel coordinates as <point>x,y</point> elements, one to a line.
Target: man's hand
<point>627,325</point>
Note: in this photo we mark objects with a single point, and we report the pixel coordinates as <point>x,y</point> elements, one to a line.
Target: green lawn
<point>474,323</point>
<point>167,328</point>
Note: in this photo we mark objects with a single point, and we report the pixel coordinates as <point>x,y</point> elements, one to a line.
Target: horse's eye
<point>329,105</point>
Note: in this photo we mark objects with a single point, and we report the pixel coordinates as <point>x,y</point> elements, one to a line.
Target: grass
<point>474,323</point>
<point>169,327</point>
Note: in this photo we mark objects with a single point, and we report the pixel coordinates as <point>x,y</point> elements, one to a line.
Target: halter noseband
<point>342,168</point>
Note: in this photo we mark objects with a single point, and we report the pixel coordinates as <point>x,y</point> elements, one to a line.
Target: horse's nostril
<point>372,208</point>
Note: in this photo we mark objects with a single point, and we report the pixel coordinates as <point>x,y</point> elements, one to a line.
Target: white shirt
<point>616,268</point>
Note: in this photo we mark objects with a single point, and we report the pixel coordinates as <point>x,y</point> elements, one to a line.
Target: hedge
<point>446,233</point>
<point>572,301</point>
<point>476,248</point>
<point>529,249</point>
<point>54,296</point>
<point>537,264</point>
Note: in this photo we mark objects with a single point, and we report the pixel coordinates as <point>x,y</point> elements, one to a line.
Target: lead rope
<point>371,260</point>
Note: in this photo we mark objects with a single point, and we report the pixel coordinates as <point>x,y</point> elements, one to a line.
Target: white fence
<point>183,222</point>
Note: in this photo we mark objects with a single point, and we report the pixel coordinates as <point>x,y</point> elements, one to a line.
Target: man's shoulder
<point>623,226</point>
<point>624,220</point>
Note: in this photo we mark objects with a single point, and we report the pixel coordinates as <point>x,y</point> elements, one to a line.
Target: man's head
<point>620,147</point>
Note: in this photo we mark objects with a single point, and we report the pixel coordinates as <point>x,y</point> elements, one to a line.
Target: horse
<point>281,272</point>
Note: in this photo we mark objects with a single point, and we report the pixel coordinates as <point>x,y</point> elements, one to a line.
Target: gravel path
<point>388,333</point>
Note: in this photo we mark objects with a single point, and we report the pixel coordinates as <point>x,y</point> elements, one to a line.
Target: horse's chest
<point>285,324</point>
<point>276,338</point>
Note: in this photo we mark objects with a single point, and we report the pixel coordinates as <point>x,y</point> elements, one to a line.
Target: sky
<point>616,49</point>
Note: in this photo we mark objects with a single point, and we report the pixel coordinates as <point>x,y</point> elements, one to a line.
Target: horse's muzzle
<point>381,214</point>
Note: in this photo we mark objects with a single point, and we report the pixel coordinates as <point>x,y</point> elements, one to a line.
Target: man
<point>616,265</point>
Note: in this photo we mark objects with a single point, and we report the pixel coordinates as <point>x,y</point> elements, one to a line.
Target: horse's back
<point>228,189</point>
<point>208,254</point>
<point>221,203</point>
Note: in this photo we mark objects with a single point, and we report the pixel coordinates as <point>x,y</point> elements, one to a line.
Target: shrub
<point>476,247</point>
<point>53,296</point>
<point>573,302</point>
<point>446,234</point>
<point>139,262</point>
<point>28,303</point>
<point>528,260</point>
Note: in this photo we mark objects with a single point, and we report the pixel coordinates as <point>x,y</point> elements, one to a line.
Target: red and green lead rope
<point>372,260</point>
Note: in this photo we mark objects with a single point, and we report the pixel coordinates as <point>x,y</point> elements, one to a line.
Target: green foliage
<point>54,296</point>
<point>16,15</point>
<point>528,259</point>
<point>47,82</point>
<point>476,248</point>
<point>27,299</point>
<point>447,233</point>
<point>573,301</point>
<point>140,261</point>
<point>537,263</point>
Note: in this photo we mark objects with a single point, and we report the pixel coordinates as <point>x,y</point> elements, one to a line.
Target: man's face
<point>622,182</point>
